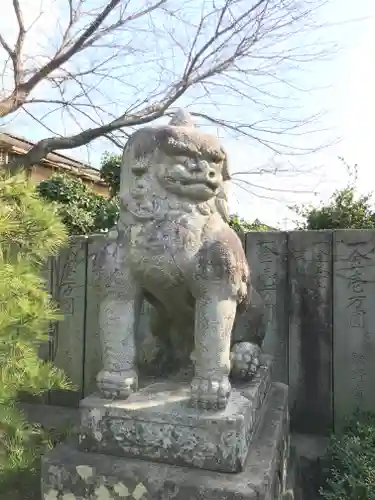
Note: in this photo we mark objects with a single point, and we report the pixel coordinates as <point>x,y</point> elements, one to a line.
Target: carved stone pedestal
<point>158,424</point>
<point>155,447</point>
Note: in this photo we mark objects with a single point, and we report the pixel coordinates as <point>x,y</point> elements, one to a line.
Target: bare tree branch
<point>92,33</point>
<point>17,63</point>
<point>5,45</point>
<point>148,115</point>
<point>116,67</point>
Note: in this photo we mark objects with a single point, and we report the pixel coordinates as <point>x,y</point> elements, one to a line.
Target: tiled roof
<point>20,145</point>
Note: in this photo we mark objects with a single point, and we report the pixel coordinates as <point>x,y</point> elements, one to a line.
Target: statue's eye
<point>189,163</point>
<point>184,160</point>
<point>216,159</point>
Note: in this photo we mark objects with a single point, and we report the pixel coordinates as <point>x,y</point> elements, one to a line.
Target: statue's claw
<point>210,393</point>
<point>117,385</point>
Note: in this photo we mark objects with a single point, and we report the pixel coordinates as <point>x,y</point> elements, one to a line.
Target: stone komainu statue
<point>175,249</point>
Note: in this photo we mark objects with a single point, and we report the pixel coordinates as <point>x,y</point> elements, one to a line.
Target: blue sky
<point>341,88</point>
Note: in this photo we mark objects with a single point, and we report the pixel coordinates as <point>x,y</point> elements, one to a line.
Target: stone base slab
<point>68,473</point>
<point>156,423</point>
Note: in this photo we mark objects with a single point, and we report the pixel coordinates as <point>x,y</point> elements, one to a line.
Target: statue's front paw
<point>245,360</point>
<point>117,385</point>
<point>210,393</point>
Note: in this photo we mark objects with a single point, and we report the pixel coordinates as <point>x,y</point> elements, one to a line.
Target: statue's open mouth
<point>194,182</point>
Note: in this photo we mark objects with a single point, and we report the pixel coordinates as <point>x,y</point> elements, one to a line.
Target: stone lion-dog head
<point>175,161</point>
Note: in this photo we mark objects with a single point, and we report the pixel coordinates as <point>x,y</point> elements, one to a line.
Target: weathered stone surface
<point>51,416</point>
<point>311,459</point>
<point>310,331</point>
<point>354,323</point>
<point>90,476</point>
<point>267,254</point>
<point>67,337</point>
<point>175,249</point>
<point>158,424</point>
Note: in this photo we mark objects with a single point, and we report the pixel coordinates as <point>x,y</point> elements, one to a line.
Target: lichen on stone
<point>121,489</point>
<point>51,495</point>
<point>102,493</point>
<point>84,471</point>
<point>69,496</point>
<point>98,435</point>
<point>139,491</point>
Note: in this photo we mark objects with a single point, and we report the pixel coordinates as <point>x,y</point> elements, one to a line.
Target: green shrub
<point>81,209</point>
<point>110,172</point>
<point>242,226</point>
<point>351,459</point>
<point>21,479</point>
<point>30,232</point>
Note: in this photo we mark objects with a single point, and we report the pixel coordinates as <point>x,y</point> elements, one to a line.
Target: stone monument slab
<point>68,472</point>
<point>157,423</point>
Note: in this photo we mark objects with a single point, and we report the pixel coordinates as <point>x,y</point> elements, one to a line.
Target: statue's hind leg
<point>155,354</point>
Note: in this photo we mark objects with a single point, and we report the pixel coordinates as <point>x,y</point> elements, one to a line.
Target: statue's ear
<point>221,202</point>
<point>137,150</point>
<point>226,174</point>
